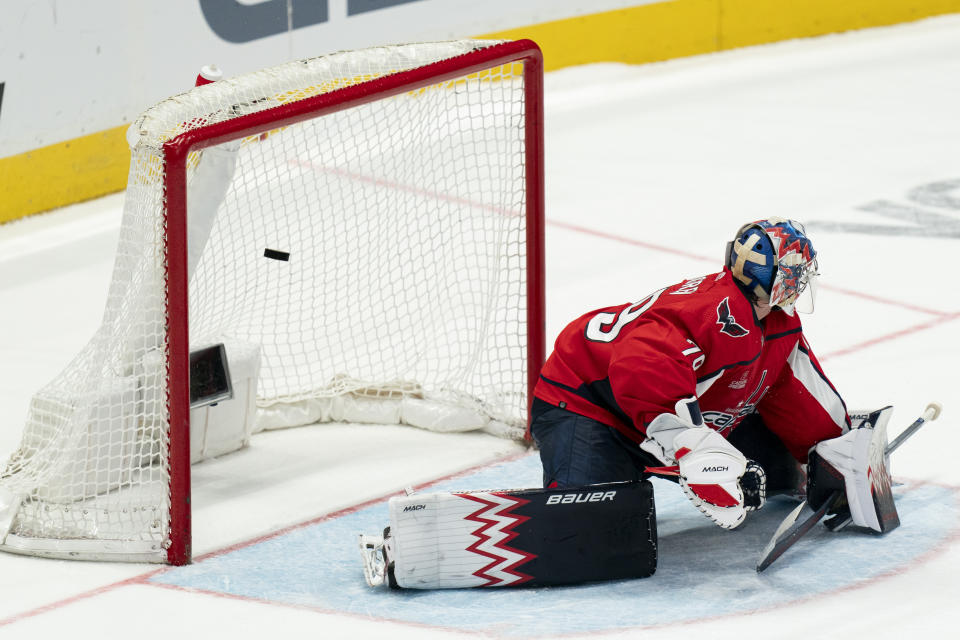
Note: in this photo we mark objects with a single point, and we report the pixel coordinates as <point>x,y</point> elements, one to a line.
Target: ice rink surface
<point>650,170</point>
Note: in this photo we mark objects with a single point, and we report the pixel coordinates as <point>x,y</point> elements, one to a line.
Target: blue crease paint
<point>703,571</point>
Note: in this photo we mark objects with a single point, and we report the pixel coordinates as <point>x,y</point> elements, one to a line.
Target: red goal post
<point>507,140</point>
<point>176,153</point>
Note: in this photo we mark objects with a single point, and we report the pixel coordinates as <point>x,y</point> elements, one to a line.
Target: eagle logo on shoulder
<point>728,324</point>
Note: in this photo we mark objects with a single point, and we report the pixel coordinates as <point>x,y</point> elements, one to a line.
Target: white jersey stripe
<point>703,385</point>
<point>814,382</point>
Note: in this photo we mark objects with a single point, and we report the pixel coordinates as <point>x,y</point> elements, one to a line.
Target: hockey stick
<point>793,527</point>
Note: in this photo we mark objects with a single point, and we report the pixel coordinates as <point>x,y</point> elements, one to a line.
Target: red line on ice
<point>923,326</point>
<point>699,258</point>
<point>305,164</point>
<point>144,578</point>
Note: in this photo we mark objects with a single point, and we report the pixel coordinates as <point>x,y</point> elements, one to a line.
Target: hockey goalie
<point>710,382</point>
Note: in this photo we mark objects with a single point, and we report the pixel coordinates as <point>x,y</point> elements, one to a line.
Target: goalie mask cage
<point>371,222</point>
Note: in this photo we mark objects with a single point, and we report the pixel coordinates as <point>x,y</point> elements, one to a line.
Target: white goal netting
<point>369,264</point>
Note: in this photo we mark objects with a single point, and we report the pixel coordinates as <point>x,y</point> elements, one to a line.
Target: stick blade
<point>793,527</point>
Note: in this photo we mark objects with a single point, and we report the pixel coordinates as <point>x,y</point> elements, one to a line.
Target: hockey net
<point>364,235</point>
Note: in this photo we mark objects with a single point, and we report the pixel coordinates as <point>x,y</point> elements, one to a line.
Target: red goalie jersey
<point>625,365</point>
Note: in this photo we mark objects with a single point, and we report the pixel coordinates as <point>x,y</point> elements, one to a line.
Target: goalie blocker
<point>856,469</point>
<point>530,537</point>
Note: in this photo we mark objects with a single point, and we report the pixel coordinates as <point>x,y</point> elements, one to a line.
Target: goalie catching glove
<point>710,468</point>
<point>710,472</point>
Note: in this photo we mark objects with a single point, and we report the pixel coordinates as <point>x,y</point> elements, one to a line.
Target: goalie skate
<point>374,563</point>
<point>374,554</point>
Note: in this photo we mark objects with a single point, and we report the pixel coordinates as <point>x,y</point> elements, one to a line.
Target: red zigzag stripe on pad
<point>494,535</point>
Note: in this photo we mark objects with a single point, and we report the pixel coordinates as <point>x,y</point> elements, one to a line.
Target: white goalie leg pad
<point>517,537</point>
<point>859,456</point>
<point>710,472</point>
<point>436,544</point>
